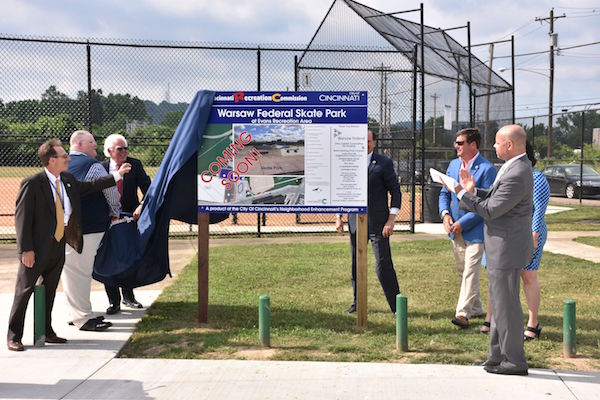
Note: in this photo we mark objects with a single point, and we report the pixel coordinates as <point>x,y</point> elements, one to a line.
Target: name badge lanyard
<point>60,195</point>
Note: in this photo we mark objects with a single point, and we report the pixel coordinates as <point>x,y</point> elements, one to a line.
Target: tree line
<point>24,124</point>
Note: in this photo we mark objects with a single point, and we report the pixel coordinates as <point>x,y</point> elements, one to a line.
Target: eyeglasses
<point>121,148</point>
<point>459,142</point>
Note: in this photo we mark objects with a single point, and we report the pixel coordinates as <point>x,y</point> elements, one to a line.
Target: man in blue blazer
<point>465,228</point>
<point>383,182</point>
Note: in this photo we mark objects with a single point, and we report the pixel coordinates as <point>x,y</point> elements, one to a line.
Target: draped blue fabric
<point>172,195</point>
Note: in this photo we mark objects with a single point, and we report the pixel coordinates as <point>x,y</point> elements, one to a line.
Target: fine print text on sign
<point>296,152</point>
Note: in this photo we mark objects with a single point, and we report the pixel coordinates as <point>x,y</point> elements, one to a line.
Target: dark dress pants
<point>49,266</point>
<point>384,267</point>
<point>114,296</point>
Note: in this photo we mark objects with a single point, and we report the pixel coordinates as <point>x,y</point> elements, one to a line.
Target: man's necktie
<point>60,215</point>
<point>120,184</point>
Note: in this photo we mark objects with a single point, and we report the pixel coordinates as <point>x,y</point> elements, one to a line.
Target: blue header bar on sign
<point>270,114</point>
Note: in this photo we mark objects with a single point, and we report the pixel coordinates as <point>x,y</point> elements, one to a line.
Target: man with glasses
<point>115,148</point>
<point>97,210</point>
<point>465,228</point>
<point>48,214</point>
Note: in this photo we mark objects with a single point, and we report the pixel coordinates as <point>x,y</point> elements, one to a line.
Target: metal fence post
<point>569,336</point>
<point>264,320</point>
<point>39,315</point>
<point>89,84</point>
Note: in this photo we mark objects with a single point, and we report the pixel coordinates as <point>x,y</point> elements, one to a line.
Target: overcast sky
<point>577,71</point>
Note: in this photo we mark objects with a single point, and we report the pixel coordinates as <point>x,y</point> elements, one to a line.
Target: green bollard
<point>401,323</point>
<point>39,315</point>
<point>569,337</point>
<point>264,320</point>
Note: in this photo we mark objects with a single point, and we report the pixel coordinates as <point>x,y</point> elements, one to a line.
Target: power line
<point>548,51</point>
<point>516,30</point>
<point>578,8</point>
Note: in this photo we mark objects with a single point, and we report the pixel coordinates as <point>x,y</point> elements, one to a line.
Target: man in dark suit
<point>48,214</point>
<point>115,148</point>
<point>507,211</point>
<point>382,181</point>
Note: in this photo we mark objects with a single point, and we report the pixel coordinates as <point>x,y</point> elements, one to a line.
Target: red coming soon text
<point>215,167</point>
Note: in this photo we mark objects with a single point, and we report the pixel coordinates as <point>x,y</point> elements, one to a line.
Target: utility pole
<point>435,97</point>
<point>457,95</point>
<point>383,99</point>
<point>553,41</point>
<point>487,98</point>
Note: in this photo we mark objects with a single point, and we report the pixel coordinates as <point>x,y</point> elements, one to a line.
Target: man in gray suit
<point>506,209</point>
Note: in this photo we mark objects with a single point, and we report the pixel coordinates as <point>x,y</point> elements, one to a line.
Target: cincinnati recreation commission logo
<point>242,97</point>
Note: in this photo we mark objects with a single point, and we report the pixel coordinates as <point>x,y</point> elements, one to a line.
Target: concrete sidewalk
<point>86,367</point>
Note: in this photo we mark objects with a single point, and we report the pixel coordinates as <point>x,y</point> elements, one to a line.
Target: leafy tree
<point>568,128</point>
<point>60,126</point>
<point>172,119</point>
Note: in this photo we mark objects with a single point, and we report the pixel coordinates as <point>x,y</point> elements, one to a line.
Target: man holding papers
<point>465,228</point>
<point>506,208</point>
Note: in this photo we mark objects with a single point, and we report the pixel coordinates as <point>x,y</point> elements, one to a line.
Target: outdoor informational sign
<point>284,152</point>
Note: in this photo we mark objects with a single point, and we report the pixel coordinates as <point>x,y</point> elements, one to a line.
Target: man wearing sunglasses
<point>115,148</point>
<point>465,228</point>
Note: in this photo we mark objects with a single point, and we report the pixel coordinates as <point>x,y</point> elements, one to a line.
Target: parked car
<point>564,179</point>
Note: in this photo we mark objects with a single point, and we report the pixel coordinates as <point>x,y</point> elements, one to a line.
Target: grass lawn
<point>309,287</point>
<point>590,240</point>
<point>581,218</point>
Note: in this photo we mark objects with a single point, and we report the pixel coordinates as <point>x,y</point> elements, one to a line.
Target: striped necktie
<point>60,215</point>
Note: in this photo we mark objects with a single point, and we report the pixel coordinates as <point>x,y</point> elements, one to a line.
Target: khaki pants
<point>77,278</point>
<point>468,265</point>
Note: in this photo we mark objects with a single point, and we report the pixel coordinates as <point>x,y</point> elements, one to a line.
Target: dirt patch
<point>591,222</point>
<point>578,363</point>
<point>250,353</point>
<point>194,330</point>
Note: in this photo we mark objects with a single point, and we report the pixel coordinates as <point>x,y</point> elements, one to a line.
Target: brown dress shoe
<point>460,321</point>
<point>15,345</point>
<point>55,339</point>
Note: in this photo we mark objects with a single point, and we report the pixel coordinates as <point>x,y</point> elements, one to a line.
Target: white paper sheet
<point>444,179</point>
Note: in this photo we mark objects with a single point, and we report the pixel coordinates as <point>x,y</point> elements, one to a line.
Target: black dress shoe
<point>490,363</point>
<point>352,309</point>
<point>95,325</point>
<point>55,339</point>
<point>15,345</point>
<point>113,309</point>
<point>98,318</point>
<point>505,371</point>
<point>132,303</point>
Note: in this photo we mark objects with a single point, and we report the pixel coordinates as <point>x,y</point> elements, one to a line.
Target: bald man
<point>506,209</point>
<point>96,211</point>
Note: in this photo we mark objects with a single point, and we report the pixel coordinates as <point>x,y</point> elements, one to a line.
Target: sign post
<point>203,224</point>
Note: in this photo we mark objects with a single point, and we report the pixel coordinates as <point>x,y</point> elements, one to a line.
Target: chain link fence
<point>53,87</point>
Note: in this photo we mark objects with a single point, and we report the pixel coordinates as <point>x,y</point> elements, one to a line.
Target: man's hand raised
<point>125,168</point>
<point>467,181</point>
